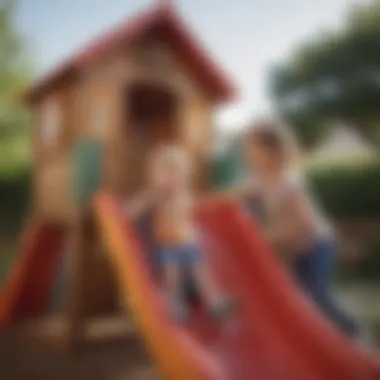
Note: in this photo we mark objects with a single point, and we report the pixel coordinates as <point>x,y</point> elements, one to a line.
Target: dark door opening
<point>151,120</point>
<point>152,113</point>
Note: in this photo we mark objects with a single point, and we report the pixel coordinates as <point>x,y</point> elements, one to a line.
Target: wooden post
<point>79,251</point>
<point>102,289</point>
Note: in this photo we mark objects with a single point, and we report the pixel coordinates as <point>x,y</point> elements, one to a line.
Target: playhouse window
<point>51,122</point>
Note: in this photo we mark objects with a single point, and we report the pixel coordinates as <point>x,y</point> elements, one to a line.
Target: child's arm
<point>297,222</point>
<point>138,205</point>
<point>301,211</point>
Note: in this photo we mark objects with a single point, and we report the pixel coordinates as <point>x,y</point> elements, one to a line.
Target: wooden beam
<point>79,256</point>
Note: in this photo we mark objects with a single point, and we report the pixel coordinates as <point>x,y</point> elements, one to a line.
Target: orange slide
<point>275,334</point>
<point>26,291</point>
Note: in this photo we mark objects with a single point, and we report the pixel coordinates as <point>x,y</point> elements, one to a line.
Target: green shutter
<point>86,164</point>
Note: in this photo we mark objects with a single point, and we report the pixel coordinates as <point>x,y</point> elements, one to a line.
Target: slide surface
<point>26,292</point>
<point>275,334</point>
<point>279,306</point>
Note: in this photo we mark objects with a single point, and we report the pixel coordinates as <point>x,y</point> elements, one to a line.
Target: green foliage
<point>334,76</point>
<point>14,74</point>
<point>348,190</point>
<point>14,199</point>
<point>369,267</point>
<point>15,155</point>
<point>14,144</point>
<point>226,168</point>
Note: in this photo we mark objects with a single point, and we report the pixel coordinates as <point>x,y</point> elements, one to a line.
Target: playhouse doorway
<point>151,120</point>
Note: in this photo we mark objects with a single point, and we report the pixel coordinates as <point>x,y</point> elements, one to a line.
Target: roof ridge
<point>131,28</point>
<point>134,21</point>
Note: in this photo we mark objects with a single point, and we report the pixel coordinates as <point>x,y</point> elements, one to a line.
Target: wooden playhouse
<point>96,117</point>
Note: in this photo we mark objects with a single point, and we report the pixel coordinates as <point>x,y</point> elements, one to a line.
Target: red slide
<point>293,339</point>
<point>27,290</point>
<point>275,333</point>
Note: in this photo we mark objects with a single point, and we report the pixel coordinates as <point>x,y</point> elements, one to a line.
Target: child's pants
<point>314,271</point>
<point>185,256</point>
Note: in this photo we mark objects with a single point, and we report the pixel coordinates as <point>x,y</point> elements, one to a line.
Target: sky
<point>247,36</point>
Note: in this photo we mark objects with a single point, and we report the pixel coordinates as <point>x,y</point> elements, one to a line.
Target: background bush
<point>369,267</point>
<point>351,191</point>
<point>348,191</point>
<point>14,200</point>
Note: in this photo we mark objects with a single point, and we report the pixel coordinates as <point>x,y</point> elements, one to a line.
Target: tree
<point>14,72</point>
<point>14,75</point>
<point>334,76</point>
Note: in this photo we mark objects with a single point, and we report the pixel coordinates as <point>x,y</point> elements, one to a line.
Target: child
<point>170,194</point>
<point>294,224</point>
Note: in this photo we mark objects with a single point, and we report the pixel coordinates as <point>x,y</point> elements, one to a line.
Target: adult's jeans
<point>314,270</point>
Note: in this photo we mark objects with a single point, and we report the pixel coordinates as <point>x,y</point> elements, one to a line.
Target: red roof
<point>163,18</point>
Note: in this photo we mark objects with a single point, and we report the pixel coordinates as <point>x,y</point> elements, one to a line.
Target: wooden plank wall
<point>51,158</point>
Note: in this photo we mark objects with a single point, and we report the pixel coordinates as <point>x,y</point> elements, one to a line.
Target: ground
<point>120,356</point>
<point>112,362</point>
<point>363,301</point>
<point>26,357</point>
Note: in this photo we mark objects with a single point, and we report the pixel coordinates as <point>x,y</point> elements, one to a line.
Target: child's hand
<point>155,197</point>
<point>138,205</point>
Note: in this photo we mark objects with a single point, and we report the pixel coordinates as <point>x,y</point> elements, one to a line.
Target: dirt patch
<point>28,360</point>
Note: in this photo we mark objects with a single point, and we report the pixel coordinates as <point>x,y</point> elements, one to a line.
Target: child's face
<point>262,158</point>
<point>168,176</point>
